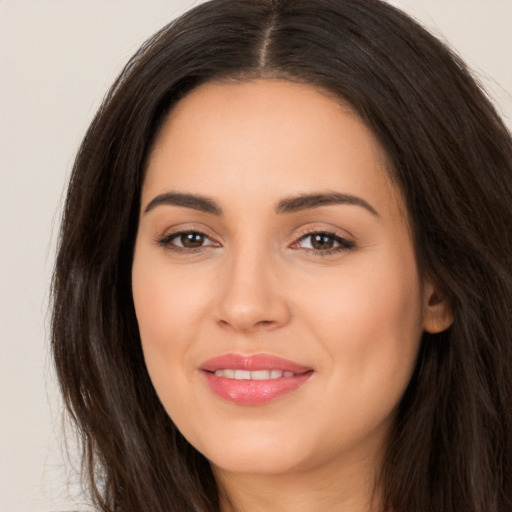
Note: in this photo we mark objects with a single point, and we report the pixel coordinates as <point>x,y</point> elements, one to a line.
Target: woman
<point>284,277</point>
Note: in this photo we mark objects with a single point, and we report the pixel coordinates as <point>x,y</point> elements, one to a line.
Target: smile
<point>253,380</point>
<point>254,375</point>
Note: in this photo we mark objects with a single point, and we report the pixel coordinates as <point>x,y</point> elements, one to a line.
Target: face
<point>274,279</point>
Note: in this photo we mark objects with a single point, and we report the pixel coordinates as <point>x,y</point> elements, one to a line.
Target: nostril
<point>244,310</point>
<point>247,325</point>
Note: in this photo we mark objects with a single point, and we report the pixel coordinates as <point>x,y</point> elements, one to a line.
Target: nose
<point>252,298</point>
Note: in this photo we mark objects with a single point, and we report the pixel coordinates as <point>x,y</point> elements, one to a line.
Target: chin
<point>259,455</point>
<point>256,464</point>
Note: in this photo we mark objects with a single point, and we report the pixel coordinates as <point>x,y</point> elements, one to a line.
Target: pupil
<point>322,242</point>
<point>192,240</point>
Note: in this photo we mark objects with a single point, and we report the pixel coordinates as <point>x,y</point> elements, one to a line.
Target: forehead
<point>269,137</point>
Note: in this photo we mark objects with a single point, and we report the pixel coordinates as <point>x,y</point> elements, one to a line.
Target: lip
<point>253,392</point>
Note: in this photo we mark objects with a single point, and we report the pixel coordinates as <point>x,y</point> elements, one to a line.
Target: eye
<point>187,240</point>
<point>324,243</point>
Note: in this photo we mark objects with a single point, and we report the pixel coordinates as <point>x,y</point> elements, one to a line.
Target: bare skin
<point>329,283</point>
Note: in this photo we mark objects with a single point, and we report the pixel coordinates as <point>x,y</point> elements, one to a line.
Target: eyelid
<point>169,234</point>
<point>325,228</point>
<point>178,234</point>
<point>345,242</point>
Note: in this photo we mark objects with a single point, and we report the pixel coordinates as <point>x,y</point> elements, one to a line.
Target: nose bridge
<point>250,295</point>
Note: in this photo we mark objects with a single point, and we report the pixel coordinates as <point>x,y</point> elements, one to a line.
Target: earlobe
<point>438,314</point>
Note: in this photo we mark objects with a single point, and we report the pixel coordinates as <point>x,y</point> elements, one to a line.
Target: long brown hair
<point>450,155</point>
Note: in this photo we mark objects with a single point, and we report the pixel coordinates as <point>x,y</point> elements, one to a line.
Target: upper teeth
<point>252,375</point>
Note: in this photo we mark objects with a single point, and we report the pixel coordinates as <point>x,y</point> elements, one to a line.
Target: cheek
<point>369,325</point>
<point>168,302</point>
<point>166,306</point>
<point>378,311</point>
<point>369,320</point>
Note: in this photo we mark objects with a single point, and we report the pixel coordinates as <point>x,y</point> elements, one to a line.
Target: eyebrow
<point>287,205</point>
<point>309,201</point>
<point>196,202</point>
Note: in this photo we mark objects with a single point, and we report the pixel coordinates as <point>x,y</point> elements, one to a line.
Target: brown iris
<point>322,241</point>
<point>192,240</point>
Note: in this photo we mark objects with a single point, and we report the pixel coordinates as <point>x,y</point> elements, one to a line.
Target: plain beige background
<point>57,59</point>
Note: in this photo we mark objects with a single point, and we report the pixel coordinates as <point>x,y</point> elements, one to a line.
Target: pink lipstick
<point>253,380</point>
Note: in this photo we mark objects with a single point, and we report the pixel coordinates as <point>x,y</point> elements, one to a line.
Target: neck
<point>322,488</point>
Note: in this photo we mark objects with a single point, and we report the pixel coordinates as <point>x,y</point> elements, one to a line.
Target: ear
<point>437,311</point>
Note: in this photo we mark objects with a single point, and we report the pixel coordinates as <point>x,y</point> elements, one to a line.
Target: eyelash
<point>166,241</point>
<point>343,244</point>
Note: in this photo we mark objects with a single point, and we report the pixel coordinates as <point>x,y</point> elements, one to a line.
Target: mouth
<point>253,380</point>
<point>231,373</point>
